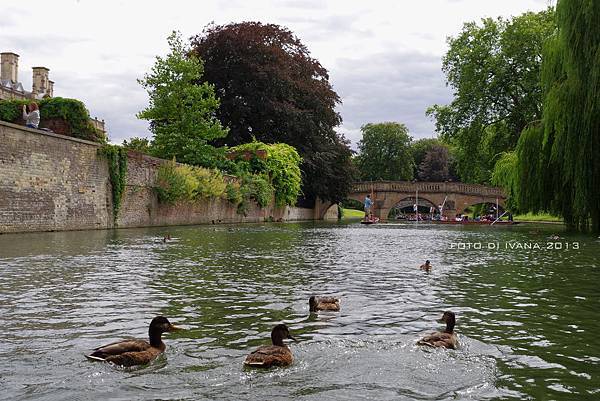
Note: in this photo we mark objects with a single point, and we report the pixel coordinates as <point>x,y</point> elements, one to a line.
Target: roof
<point>16,87</point>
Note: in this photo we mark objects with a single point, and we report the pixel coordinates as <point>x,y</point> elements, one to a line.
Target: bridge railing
<point>430,187</point>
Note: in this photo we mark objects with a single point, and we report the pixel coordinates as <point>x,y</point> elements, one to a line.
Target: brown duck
<point>133,351</point>
<point>444,339</point>
<point>323,303</point>
<point>277,354</point>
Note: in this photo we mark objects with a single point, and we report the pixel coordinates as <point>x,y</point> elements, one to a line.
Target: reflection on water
<point>526,318</point>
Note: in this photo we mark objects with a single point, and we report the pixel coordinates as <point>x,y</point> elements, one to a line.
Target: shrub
<point>281,166</point>
<point>137,144</point>
<point>210,182</point>
<point>11,110</point>
<point>72,111</point>
<point>175,182</point>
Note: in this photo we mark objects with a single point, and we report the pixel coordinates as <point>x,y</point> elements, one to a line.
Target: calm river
<point>527,319</point>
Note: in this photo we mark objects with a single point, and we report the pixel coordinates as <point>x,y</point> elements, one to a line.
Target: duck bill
<point>174,328</point>
<point>292,338</point>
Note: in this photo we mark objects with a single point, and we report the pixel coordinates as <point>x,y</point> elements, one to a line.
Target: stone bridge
<point>457,195</point>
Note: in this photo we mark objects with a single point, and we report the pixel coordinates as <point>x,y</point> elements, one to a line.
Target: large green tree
<point>384,152</point>
<point>558,163</point>
<point>272,89</point>
<point>494,70</point>
<point>182,109</point>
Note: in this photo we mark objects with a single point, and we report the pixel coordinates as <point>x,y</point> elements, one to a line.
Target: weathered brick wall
<point>51,182</point>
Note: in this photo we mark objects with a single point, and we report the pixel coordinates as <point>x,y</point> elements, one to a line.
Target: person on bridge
<point>368,204</point>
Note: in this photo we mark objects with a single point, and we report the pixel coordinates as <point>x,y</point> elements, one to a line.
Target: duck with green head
<point>277,354</point>
<point>135,351</point>
<point>443,339</point>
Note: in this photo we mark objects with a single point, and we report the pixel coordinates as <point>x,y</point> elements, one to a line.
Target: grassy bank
<point>544,217</point>
<point>352,214</point>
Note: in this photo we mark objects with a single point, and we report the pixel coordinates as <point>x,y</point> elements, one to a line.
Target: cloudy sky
<point>384,57</point>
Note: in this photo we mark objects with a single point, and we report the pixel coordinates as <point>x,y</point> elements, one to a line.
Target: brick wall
<point>51,182</point>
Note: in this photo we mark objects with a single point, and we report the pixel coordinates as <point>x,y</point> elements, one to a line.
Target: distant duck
<point>444,339</point>
<point>277,354</point>
<point>133,351</point>
<point>323,303</point>
<point>426,266</point>
<point>554,237</point>
<point>167,238</point>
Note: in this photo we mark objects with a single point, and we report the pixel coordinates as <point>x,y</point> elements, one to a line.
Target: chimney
<point>40,80</point>
<point>10,66</point>
<point>50,90</point>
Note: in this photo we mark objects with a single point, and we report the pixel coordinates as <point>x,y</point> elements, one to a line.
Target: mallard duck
<point>426,266</point>
<point>323,303</point>
<point>446,338</point>
<point>277,354</point>
<point>136,352</point>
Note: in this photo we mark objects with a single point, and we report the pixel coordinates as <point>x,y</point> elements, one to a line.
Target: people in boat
<point>426,266</point>
<point>368,203</point>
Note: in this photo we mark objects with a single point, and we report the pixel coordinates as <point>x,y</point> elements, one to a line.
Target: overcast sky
<point>384,57</point>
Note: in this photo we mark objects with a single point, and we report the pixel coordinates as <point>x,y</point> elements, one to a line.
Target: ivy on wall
<point>117,170</point>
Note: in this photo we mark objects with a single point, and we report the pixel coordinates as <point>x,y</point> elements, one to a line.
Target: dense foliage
<point>384,152</point>
<point>281,164</point>
<point>117,171</point>
<point>434,166</point>
<point>177,182</point>
<point>182,109</point>
<point>271,88</point>
<point>494,70</point>
<point>141,145</point>
<point>558,167</point>
<point>72,111</point>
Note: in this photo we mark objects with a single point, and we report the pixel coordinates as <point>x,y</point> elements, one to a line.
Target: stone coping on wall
<point>47,133</point>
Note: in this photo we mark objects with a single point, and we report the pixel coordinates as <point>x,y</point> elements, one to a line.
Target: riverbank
<point>50,182</point>
<point>352,214</point>
<point>538,218</point>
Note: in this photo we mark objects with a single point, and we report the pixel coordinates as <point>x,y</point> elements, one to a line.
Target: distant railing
<point>428,187</point>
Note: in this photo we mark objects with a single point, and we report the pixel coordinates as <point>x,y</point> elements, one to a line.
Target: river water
<point>527,318</point>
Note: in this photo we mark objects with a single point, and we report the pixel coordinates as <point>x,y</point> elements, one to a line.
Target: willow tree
<point>559,160</point>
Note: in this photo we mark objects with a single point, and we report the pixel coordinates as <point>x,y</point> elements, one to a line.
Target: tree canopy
<point>384,152</point>
<point>182,109</point>
<point>435,164</point>
<point>271,89</point>
<point>558,167</point>
<point>494,70</point>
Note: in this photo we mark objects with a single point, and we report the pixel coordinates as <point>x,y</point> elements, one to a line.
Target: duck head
<point>312,304</point>
<point>450,319</point>
<point>279,333</point>
<point>159,325</point>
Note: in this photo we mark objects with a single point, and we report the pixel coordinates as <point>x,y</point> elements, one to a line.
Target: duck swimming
<point>136,352</point>
<point>444,339</point>
<point>277,354</point>
<point>426,266</point>
<point>323,303</point>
